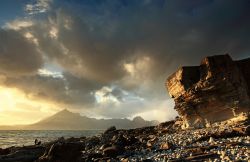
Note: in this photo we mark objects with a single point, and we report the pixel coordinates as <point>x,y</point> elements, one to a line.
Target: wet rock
<point>23,154</point>
<point>110,129</point>
<point>121,141</point>
<point>131,140</point>
<point>195,151</point>
<point>149,144</point>
<point>112,151</point>
<point>166,124</point>
<point>61,139</point>
<point>92,157</point>
<point>242,130</point>
<point>202,157</point>
<point>124,160</point>
<point>104,146</point>
<point>166,146</point>
<point>37,142</point>
<point>65,152</point>
<point>211,140</point>
<point>72,139</point>
<point>92,142</point>
<point>4,151</point>
<point>109,135</point>
<point>147,160</point>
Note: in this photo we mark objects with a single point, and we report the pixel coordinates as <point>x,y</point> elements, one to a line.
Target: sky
<point>108,58</point>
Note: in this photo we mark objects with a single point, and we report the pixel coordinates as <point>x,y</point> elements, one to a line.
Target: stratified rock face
<point>217,90</point>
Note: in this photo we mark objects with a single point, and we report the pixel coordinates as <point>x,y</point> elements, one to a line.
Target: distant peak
<point>138,118</point>
<point>65,111</point>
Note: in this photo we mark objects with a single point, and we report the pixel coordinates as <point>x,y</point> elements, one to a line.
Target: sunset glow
<point>17,108</point>
<point>107,59</point>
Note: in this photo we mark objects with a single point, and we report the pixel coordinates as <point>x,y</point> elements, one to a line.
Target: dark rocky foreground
<point>224,141</point>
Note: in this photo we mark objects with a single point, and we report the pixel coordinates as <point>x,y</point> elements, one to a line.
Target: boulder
<point>216,90</point>
<point>112,151</point>
<point>21,154</point>
<point>166,146</point>
<point>4,151</point>
<point>110,129</point>
<point>66,152</point>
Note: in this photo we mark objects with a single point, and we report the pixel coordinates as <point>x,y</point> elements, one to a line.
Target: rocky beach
<point>222,141</point>
<point>124,81</point>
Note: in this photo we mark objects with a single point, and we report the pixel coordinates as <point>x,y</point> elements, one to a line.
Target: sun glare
<point>16,108</point>
<point>7,97</point>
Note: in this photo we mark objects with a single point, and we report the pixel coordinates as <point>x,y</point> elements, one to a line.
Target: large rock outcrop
<point>217,90</point>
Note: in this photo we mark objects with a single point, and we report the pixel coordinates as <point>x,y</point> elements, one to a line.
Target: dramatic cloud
<point>39,6</point>
<point>18,56</point>
<point>111,58</point>
<point>19,24</point>
<point>65,90</point>
<point>99,44</point>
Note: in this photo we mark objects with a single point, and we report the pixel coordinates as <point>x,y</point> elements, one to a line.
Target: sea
<point>10,138</point>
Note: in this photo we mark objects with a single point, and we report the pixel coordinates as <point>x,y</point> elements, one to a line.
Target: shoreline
<point>11,138</point>
<point>164,142</point>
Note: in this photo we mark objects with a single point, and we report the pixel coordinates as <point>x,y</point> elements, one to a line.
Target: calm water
<point>27,137</point>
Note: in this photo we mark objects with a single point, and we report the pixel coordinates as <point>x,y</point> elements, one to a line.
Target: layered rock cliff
<point>217,90</point>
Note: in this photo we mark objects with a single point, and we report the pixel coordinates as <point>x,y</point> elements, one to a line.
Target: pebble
<point>184,141</point>
<point>147,144</point>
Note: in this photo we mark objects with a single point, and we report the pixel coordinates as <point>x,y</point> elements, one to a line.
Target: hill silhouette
<point>66,120</point>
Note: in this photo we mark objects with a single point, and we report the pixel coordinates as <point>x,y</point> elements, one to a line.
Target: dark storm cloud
<point>67,91</point>
<point>100,41</point>
<point>40,87</point>
<point>18,56</point>
<point>133,45</point>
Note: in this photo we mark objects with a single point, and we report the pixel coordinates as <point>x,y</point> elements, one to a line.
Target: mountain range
<point>66,120</point>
